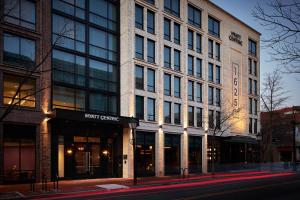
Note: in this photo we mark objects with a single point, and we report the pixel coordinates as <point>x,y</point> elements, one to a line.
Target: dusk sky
<point>242,9</point>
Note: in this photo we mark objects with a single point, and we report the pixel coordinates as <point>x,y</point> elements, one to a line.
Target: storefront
<point>195,154</point>
<point>172,153</point>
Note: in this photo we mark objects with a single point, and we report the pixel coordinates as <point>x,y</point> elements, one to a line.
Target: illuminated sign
<point>101,117</point>
<point>235,85</point>
<point>237,38</point>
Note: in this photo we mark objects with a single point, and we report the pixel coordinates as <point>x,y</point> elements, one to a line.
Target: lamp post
<point>133,126</point>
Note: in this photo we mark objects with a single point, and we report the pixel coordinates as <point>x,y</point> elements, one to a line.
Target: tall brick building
<point>104,65</point>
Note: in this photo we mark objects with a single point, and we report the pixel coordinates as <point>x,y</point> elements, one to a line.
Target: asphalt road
<point>287,188</point>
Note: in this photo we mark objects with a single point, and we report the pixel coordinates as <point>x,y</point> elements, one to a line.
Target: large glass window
<point>167,84</point>
<point>190,39</point>
<point>18,50</point>
<point>218,74</point>
<point>27,91</point>
<point>194,16</point>
<point>68,68</point>
<point>177,87</point>
<point>68,98</point>
<point>139,77</point>
<point>177,113</point>
<point>195,154</point>
<point>150,22</point>
<point>211,123</point>
<point>102,12</point>
<point>191,115</point>
<point>150,51</point>
<point>252,47</point>
<point>71,35</point>
<point>199,92</point>
<point>218,97</point>
<point>139,17</point>
<point>191,90</point>
<point>139,47</point>
<point>210,95</point>
<point>190,65</point>
<point>210,72</point>
<point>199,68</point>
<point>176,33</point>
<point>103,76</point>
<point>151,109</point>
<point>198,43</point>
<point>172,154</point>
<point>75,8</point>
<point>167,57</point>
<point>213,26</point>
<point>103,103</point>
<point>210,48</point>
<point>199,117</point>
<point>167,112</point>
<point>218,52</point>
<point>139,107</point>
<point>167,29</point>
<point>172,7</point>
<point>20,12</point>
<point>151,80</point>
<point>176,60</point>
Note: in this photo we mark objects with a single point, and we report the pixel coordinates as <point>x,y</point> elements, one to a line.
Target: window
<point>250,106</point>
<point>190,65</point>
<point>252,47</point>
<point>172,7</point>
<point>108,103</point>
<point>191,90</point>
<point>150,22</point>
<point>76,8</point>
<point>21,13</point>
<point>167,57</point>
<point>68,68</point>
<point>68,98</point>
<point>210,49</point>
<point>177,113</point>
<point>199,117</point>
<point>194,16</point>
<point>139,77</point>
<point>199,68</point>
<point>198,43</point>
<point>255,68</point>
<point>250,86</point>
<point>139,47</point>
<point>176,60</point>
<point>27,91</point>
<point>191,116</point>
<point>75,35</point>
<point>218,52</point>
<point>255,87</point>
<point>190,39</point>
<point>103,44</point>
<point>211,123</point>
<point>218,120</point>
<point>151,1</point>
<point>210,95</point>
<point>199,92</point>
<point>213,26</point>
<point>18,51</point>
<point>210,72</point>
<point>218,97</point>
<point>151,80</point>
<point>167,29</point>
<point>139,17</point>
<point>167,84</point>
<point>218,74</point>
<point>167,112</point>
<point>103,13</point>
<point>250,125</point>
<point>255,126</point>
<point>255,107</point>
<point>151,109</point>
<point>176,33</point>
<point>250,66</point>
<point>177,87</point>
<point>150,51</point>
<point>139,107</point>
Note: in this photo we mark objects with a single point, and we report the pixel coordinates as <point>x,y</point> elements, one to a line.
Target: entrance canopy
<point>61,114</point>
<point>241,139</point>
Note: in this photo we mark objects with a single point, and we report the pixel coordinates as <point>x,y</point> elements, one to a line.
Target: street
<point>261,186</point>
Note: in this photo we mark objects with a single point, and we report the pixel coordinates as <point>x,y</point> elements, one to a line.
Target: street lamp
<point>133,125</point>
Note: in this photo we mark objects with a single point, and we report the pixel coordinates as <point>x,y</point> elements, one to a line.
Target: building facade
<point>81,74</point>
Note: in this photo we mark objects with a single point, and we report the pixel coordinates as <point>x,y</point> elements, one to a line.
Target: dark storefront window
<point>139,77</point>
<point>167,112</point>
<point>194,16</point>
<point>18,50</point>
<point>150,22</point>
<point>27,95</point>
<point>195,154</point>
<point>172,7</point>
<point>139,107</point>
<point>21,13</point>
<point>139,17</point>
<point>172,154</point>
<point>145,153</point>
<point>213,26</point>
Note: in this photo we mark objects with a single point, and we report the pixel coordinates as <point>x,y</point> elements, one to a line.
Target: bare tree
<point>282,19</point>
<point>273,96</point>
<point>224,122</point>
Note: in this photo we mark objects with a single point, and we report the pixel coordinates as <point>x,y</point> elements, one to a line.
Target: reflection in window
<point>218,74</point>
<point>172,7</point>
<point>199,117</point>
<point>139,77</point>
<point>176,33</point>
<point>151,109</point>
<point>213,26</point>
<point>150,22</point>
<point>167,84</point>
<point>210,95</point>
<point>252,47</point>
<point>103,103</point>
<point>151,80</point>
<point>150,51</point>
<point>199,68</point>
<point>210,49</point>
<point>167,29</point>
<point>190,65</point>
<point>198,43</point>
<point>194,16</point>
<point>176,60</point>
<point>191,90</point>
<point>18,50</point>
<point>68,98</point>
<point>218,52</point>
<point>21,13</point>
<point>199,92</point>
<point>210,72</point>
<point>177,86</point>
<point>167,57</point>
<point>191,115</point>
<point>190,39</point>
<point>139,47</point>
<point>74,8</point>
<point>167,112</point>
<point>172,154</point>
<point>139,17</point>
<point>26,96</point>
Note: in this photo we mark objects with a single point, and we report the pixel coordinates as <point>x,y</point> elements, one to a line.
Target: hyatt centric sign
<point>101,117</point>
<point>235,37</point>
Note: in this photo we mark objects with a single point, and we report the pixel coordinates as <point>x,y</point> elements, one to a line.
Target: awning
<point>61,114</point>
<point>241,139</point>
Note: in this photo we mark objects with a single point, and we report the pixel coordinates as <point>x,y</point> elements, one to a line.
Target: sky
<point>242,9</point>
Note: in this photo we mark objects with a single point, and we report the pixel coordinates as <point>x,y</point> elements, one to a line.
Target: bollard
<point>32,183</point>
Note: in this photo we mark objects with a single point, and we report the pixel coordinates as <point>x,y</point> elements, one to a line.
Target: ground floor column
<point>159,153</point>
<point>45,149</point>
<point>127,153</point>
<point>204,154</point>
<point>184,152</point>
